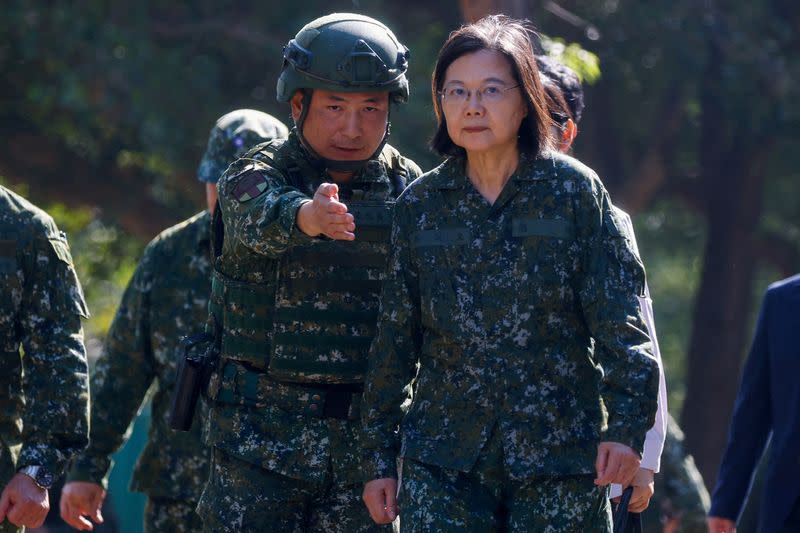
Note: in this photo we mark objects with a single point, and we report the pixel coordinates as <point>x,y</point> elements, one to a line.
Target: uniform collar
<point>452,174</point>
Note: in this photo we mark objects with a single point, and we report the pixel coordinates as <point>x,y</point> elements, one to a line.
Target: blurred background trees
<point>693,124</point>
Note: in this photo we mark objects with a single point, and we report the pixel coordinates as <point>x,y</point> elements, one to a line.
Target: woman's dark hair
<point>512,39</point>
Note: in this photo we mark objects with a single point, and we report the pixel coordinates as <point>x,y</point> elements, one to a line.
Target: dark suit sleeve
<point>750,426</point>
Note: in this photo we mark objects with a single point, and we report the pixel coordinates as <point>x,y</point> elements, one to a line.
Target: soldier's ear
<point>297,104</point>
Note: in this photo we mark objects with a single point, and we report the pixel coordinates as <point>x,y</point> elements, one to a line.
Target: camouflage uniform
<point>286,445</point>
<point>43,393</point>
<point>513,320</point>
<point>166,300</point>
<point>680,492</point>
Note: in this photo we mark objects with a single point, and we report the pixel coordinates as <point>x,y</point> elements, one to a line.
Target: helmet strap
<point>334,164</point>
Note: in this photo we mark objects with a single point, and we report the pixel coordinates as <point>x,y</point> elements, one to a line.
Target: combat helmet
<point>343,52</point>
<point>232,136</point>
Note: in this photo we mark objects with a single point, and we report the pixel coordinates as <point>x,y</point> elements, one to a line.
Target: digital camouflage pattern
<point>174,516</point>
<point>520,317</point>
<point>257,420</point>
<point>43,373</point>
<point>680,492</point>
<point>248,498</point>
<point>433,498</point>
<point>445,500</point>
<point>166,299</point>
<point>232,136</point>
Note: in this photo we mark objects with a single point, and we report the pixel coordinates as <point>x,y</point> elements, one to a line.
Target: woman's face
<point>482,103</point>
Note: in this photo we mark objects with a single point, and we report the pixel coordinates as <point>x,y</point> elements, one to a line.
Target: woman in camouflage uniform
<point>511,307</point>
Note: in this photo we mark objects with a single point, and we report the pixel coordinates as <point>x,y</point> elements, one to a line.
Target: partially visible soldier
<point>680,501</point>
<point>166,299</point>
<point>296,286</point>
<point>44,410</point>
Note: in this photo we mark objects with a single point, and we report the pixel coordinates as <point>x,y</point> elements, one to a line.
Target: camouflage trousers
<point>243,497</point>
<point>439,499</point>
<point>177,516</point>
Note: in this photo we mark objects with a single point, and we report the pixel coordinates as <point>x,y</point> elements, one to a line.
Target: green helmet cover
<point>344,52</point>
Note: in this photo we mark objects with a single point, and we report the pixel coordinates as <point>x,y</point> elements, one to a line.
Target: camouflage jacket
<point>680,491</point>
<point>166,299</point>
<point>521,316</point>
<point>44,387</point>
<point>259,197</point>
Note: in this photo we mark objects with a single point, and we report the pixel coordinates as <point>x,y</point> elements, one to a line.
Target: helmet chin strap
<point>334,164</point>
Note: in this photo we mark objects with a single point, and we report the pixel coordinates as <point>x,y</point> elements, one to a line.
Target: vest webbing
<point>314,322</point>
<point>326,304</point>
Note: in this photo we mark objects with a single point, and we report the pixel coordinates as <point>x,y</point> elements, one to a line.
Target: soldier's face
<point>344,126</point>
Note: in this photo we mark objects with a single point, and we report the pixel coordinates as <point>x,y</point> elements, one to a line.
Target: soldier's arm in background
<point>55,377</point>
<point>392,364</point>
<point>120,380</point>
<point>613,281</point>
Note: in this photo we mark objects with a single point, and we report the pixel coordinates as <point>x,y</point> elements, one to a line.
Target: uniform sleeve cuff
<point>624,431</point>
<point>42,455</point>
<point>90,471</point>
<point>380,464</point>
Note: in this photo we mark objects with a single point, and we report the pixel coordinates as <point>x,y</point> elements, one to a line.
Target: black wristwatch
<point>39,474</point>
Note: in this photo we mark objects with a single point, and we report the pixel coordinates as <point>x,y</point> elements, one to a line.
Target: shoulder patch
<point>250,185</point>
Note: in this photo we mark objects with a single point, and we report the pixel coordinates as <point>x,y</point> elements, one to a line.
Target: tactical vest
<point>314,317</point>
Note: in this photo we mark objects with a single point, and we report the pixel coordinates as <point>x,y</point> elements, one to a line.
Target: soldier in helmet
<point>44,417</point>
<point>296,282</point>
<point>166,299</point>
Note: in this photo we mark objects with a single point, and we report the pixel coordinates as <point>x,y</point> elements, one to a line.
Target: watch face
<point>44,478</point>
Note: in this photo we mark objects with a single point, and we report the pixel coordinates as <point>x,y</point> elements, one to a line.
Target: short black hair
<point>567,80</point>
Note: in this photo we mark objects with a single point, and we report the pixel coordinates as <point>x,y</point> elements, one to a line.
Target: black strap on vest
<point>217,232</point>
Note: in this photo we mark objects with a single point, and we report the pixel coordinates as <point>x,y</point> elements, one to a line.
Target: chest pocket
<point>548,260</point>
<point>439,255</point>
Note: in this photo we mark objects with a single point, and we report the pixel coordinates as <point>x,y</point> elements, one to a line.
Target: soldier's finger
<point>5,503</point>
<point>97,515</point>
<point>628,474</point>
<point>610,472</point>
<point>391,505</point>
<point>335,207</point>
<point>374,504</point>
<point>340,218</point>
<point>79,522</point>
<point>37,515</point>
<point>16,515</point>
<point>601,463</point>
<point>72,516</point>
<point>329,190</point>
<point>341,235</point>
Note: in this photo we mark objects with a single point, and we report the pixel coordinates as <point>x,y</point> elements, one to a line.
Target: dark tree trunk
<point>733,162</point>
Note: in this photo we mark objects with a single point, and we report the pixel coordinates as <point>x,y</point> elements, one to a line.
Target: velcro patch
<point>251,185</point>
